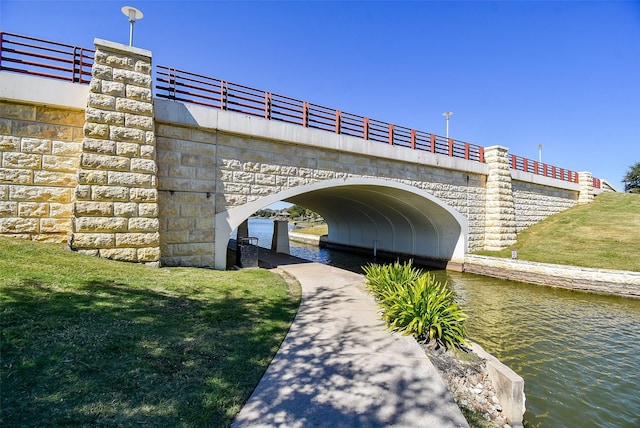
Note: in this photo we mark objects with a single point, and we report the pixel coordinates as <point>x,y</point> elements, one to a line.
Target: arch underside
<point>363,213</point>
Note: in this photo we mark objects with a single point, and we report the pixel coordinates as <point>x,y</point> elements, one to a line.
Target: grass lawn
<point>603,234</point>
<point>319,230</point>
<point>92,342</point>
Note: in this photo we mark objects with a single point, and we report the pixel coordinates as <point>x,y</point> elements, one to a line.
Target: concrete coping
<point>122,48</point>
<point>508,384</point>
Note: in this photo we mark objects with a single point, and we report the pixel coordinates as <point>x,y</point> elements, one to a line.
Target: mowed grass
<point>93,342</point>
<point>319,230</point>
<point>603,234</point>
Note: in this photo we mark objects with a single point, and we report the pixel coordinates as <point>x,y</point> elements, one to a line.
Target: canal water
<point>579,353</point>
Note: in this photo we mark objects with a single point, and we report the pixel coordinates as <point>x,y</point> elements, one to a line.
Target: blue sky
<point>515,73</point>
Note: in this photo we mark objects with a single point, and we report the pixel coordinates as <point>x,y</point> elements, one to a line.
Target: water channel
<point>579,353</point>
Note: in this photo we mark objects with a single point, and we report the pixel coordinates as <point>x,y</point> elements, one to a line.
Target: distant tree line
<point>265,213</point>
<point>294,211</point>
<point>632,179</point>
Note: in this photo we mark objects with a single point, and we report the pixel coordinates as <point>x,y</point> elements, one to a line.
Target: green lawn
<point>602,234</point>
<point>319,230</point>
<point>93,342</point>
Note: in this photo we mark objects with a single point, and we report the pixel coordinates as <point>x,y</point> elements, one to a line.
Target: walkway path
<point>340,367</point>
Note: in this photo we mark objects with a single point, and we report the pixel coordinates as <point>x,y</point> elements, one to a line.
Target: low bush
<point>414,303</point>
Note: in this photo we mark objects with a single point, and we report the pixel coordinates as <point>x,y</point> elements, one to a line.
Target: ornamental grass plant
<point>414,303</point>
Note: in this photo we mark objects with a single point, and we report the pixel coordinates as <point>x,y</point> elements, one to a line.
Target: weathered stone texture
<point>114,180</point>
<point>585,180</point>
<point>533,202</point>
<point>38,161</point>
<point>624,283</point>
<point>186,224</point>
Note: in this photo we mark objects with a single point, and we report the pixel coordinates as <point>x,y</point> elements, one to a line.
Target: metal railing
<point>33,56</point>
<point>180,85</point>
<point>527,165</point>
<point>29,55</point>
<point>597,183</point>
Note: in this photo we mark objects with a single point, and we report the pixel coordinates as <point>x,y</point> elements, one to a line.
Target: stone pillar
<point>585,179</point>
<point>280,240</point>
<point>500,213</point>
<point>243,230</point>
<point>116,199</point>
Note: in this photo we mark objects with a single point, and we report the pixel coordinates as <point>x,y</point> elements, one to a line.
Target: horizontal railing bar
<point>20,36</point>
<point>36,64</point>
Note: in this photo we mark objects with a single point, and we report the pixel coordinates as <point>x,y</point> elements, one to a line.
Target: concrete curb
<point>622,283</point>
<point>508,384</point>
<point>305,238</point>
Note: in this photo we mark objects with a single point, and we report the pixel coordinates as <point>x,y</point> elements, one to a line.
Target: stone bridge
<point>121,174</point>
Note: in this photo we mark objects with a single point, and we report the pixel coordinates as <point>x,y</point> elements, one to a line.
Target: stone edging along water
<point>609,281</point>
<point>305,238</point>
<point>619,282</point>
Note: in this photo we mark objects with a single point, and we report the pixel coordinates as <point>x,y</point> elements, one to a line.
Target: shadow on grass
<point>104,353</point>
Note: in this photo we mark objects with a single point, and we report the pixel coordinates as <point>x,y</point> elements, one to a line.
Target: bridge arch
<point>400,218</point>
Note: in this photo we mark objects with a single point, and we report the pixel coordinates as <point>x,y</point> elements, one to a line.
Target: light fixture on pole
<point>447,115</point>
<point>540,153</point>
<point>132,13</point>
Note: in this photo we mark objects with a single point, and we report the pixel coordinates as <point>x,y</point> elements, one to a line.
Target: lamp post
<point>447,115</point>
<point>540,153</point>
<point>132,13</point>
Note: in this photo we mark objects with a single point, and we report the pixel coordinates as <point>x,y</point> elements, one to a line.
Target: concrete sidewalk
<point>340,367</point>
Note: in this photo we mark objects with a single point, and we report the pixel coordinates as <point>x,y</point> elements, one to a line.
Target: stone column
<point>585,179</point>
<point>280,240</point>
<point>243,230</point>
<point>115,208</point>
<point>500,213</point>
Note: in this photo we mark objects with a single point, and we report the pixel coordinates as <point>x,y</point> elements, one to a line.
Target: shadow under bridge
<point>363,214</point>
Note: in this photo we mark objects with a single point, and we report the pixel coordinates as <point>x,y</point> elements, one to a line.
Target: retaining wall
<point>40,150</point>
<point>623,283</point>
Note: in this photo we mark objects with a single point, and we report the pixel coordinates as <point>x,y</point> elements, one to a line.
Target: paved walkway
<point>340,367</point>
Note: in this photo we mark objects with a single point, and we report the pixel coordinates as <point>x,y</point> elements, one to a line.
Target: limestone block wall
<point>500,220</point>
<point>39,151</point>
<point>535,202</point>
<point>187,183</point>
<point>203,172</point>
<point>116,199</point>
<point>252,168</point>
<point>624,283</point>
<point>586,187</point>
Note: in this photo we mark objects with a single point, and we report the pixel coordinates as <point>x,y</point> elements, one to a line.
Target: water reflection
<point>579,353</point>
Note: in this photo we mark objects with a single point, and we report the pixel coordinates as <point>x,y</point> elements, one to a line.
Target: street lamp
<point>540,153</point>
<point>132,13</point>
<point>447,115</point>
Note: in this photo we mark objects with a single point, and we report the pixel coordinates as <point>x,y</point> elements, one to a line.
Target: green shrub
<point>413,302</point>
<point>384,280</point>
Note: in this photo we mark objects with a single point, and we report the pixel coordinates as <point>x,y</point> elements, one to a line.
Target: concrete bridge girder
<point>359,211</point>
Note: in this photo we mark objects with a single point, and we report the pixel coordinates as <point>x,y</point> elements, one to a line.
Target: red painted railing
<point>28,55</point>
<point>207,91</point>
<point>527,165</point>
<point>597,183</point>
